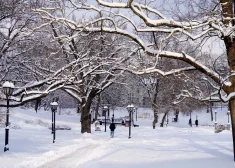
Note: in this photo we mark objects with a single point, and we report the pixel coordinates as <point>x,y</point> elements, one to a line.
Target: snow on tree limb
<point>158,71</point>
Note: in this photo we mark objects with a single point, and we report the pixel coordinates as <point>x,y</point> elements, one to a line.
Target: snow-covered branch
<point>158,71</point>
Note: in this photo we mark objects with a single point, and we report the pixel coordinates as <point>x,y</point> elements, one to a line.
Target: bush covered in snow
<point>37,122</point>
<point>45,124</point>
<point>61,127</point>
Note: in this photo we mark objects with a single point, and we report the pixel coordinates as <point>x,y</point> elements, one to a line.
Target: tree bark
<point>228,13</point>
<point>231,89</point>
<point>85,118</point>
<point>97,108</point>
<point>154,103</point>
<point>232,114</point>
<point>155,115</point>
<point>85,112</point>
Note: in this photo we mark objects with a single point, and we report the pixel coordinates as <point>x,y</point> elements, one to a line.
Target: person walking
<point>190,122</point>
<point>112,128</point>
<point>196,122</point>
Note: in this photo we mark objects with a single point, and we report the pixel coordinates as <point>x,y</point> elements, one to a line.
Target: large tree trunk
<point>228,12</point>
<point>230,46</point>
<point>85,112</point>
<point>155,115</point>
<point>231,58</point>
<point>232,114</point>
<point>85,118</point>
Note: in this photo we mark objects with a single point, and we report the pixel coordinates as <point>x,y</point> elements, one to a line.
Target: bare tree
<point>54,56</point>
<point>203,20</point>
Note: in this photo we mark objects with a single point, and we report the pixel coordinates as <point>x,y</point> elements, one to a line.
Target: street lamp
<point>130,109</point>
<point>215,115</point>
<point>8,89</point>
<point>207,110</point>
<point>105,109</point>
<point>215,119</point>
<point>54,106</point>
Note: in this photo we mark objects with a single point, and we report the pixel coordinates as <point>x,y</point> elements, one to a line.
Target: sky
<point>213,45</point>
<point>175,145</point>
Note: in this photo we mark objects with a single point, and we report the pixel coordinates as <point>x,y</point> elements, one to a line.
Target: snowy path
<point>92,151</point>
<point>73,159</point>
<point>81,151</point>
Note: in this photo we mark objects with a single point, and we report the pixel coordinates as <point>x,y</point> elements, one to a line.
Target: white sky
<point>212,45</point>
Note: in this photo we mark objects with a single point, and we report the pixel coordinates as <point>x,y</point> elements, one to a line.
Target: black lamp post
<point>54,106</point>
<point>105,113</point>
<point>8,89</point>
<point>215,115</point>
<point>130,109</point>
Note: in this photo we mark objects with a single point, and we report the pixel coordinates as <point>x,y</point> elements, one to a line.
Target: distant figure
<point>196,122</point>
<point>112,128</point>
<point>154,123</point>
<point>123,122</point>
<point>190,122</point>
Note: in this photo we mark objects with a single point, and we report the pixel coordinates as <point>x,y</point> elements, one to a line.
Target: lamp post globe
<point>130,107</point>
<point>105,108</point>
<point>54,106</point>
<point>8,88</point>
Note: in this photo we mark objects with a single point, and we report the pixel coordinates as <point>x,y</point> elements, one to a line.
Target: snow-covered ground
<point>176,145</point>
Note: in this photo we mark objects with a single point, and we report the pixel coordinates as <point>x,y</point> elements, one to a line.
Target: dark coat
<point>112,126</point>
<point>190,122</point>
